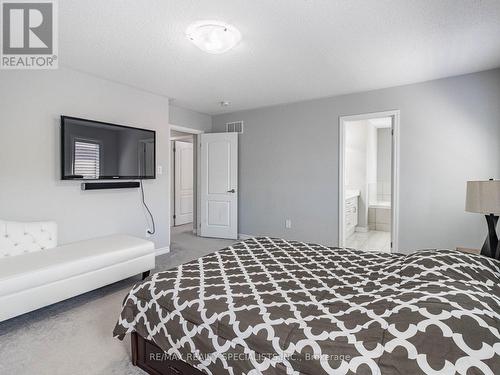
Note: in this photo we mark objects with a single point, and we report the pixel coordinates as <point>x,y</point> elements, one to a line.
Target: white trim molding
<point>395,114</point>
<point>162,250</point>
<point>185,129</point>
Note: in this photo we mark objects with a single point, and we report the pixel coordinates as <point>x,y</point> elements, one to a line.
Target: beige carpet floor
<point>74,337</point>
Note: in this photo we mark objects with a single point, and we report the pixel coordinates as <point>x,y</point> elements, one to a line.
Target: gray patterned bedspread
<point>271,306</point>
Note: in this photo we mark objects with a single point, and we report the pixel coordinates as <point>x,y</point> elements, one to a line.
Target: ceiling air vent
<point>234,127</point>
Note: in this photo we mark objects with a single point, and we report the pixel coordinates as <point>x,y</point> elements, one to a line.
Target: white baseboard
<point>242,236</point>
<point>163,250</point>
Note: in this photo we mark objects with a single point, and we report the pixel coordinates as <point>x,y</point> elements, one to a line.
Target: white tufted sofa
<point>35,272</point>
<point>21,238</point>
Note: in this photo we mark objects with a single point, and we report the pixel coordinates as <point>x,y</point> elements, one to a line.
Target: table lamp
<point>483,197</point>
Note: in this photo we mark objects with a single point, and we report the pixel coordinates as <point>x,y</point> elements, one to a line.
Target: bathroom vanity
<point>351,211</point>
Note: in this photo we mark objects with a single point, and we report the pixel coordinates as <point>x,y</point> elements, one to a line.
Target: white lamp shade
<point>483,197</point>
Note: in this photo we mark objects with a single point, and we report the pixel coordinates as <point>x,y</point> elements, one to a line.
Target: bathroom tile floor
<point>370,241</point>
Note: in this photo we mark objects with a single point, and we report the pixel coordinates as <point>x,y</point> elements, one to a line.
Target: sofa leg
<point>145,274</point>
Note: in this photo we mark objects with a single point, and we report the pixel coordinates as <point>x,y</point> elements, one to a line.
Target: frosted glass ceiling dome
<point>213,36</point>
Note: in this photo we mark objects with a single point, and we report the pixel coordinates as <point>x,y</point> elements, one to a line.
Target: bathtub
<point>380,204</point>
<point>379,216</point>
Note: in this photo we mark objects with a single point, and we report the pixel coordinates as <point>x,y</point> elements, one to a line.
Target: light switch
<point>159,169</point>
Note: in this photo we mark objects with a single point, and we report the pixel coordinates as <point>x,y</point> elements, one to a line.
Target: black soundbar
<point>109,185</point>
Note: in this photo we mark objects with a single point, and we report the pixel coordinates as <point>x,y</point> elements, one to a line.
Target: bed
<point>272,306</point>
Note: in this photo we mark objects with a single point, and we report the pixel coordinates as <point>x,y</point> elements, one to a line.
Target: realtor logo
<point>29,34</point>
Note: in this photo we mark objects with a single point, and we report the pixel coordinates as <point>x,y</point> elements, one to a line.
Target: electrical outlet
<point>148,235</point>
<point>288,223</point>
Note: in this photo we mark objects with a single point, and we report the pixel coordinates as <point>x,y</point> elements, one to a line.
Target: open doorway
<point>368,181</point>
<point>185,173</point>
<point>182,181</point>
<point>203,189</point>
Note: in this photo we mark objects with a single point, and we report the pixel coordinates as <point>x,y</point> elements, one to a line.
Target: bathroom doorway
<point>183,179</point>
<point>368,181</point>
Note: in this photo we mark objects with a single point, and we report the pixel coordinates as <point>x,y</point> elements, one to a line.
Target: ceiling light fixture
<point>224,103</point>
<point>213,36</point>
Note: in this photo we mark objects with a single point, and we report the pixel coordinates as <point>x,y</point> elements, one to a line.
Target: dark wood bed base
<point>152,359</point>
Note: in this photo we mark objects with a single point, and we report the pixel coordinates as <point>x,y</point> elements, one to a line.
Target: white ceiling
<point>291,50</point>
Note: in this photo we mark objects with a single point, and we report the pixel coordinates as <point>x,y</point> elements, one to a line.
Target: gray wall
<point>384,155</point>
<point>30,186</point>
<point>450,133</point>
<point>190,119</point>
<point>384,163</point>
<point>356,165</point>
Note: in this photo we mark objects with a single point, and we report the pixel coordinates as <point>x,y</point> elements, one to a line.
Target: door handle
<point>231,191</point>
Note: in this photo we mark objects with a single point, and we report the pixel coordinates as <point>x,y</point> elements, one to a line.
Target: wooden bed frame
<point>152,359</point>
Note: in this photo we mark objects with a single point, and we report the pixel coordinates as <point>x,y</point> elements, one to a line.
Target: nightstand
<point>469,250</point>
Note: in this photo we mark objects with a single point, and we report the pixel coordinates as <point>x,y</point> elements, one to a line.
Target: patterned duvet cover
<point>271,306</point>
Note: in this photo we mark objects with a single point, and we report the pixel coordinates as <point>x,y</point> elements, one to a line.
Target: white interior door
<point>183,183</point>
<point>219,185</point>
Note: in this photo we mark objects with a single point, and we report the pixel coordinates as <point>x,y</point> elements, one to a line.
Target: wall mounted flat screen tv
<point>94,150</point>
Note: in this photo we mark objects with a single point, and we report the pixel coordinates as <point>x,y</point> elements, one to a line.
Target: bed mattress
<point>272,306</point>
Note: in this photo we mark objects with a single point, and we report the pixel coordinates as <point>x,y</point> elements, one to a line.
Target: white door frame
<point>180,166</point>
<point>185,130</point>
<point>395,114</point>
<point>196,166</point>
